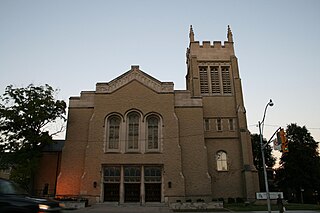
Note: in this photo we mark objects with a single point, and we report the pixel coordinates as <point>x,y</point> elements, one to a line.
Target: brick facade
<point>192,127</point>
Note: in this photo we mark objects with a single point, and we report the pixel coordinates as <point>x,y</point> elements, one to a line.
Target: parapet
<point>216,48</point>
<point>86,100</point>
<point>214,44</point>
<point>182,98</point>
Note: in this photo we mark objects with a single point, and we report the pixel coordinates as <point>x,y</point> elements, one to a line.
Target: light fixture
<point>270,103</point>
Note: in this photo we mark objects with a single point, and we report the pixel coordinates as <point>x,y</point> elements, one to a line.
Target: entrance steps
<point>148,204</point>
<point>133,207</point>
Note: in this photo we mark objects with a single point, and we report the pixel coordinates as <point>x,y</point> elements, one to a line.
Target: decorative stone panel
<point>137,75</point>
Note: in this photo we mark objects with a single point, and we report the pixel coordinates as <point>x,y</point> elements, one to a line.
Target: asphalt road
<point>99,208</point>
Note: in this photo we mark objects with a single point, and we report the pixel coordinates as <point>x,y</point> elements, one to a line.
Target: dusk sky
<point>73,44</point>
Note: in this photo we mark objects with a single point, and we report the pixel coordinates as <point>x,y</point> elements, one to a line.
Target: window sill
<point>112,151</point>
<point>132,152</point>
<point>153,152</point>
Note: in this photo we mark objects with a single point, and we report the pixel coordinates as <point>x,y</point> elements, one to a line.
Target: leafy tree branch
<point>25,114</point>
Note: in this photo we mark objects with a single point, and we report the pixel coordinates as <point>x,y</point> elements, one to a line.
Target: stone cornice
<point>135,75</point>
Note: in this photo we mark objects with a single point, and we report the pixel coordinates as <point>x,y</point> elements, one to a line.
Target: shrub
<point>200,200</point>
<point>239,200</point>
<point>231,200</point>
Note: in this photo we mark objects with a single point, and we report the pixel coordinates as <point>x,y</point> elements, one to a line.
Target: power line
<point>276,125</point>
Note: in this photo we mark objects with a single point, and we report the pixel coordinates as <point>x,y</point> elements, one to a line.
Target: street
<point>99,208</point>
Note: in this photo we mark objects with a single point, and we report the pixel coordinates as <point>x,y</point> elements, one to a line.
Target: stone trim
<point>138,75</point>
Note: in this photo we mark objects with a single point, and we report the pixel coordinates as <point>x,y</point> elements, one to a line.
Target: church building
<point>136,139</point>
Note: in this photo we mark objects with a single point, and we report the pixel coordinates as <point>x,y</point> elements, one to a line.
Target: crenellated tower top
<point>217,50</point>
<point>207,58</point>
<point>228,44</point>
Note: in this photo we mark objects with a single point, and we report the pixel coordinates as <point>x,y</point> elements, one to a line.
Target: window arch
<point>113,139</point>
<point>132,174</point>
<point>133,131</point>
<point>153,132</point>
<point>222,161</point>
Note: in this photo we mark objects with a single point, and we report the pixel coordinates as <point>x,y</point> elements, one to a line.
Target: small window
<point>231,124</point>
<point>219,124</point>
<point>222,164</point>
<point>206,124</point>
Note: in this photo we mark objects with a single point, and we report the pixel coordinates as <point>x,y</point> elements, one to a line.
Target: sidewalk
<point>128,208</point>
<point>136,208</point>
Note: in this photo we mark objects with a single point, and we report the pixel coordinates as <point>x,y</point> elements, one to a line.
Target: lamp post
<point>270,103</point>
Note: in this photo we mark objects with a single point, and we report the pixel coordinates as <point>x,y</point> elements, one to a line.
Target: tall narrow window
<point>226,82</point>
<point>219,124</point>
<point>204,86</point>
<point>222,164</point>
<point>215,80</point>
<point>113,132</point>
<point>153,132</point>
<point>231,124</point>
<point>206,124</point>
<point>133,131</point>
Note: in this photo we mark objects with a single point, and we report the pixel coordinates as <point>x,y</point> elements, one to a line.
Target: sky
<point>73,44</point>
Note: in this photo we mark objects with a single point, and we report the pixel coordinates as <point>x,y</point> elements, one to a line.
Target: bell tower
<point>213,76</point>
<point>203,59</point>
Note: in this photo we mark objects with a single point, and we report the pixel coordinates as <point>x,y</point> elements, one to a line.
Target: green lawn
<point>291,206</point>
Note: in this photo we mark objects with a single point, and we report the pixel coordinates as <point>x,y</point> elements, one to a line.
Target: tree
<point>257,158</point>
<point>299,171</point>
<point>25,115</point>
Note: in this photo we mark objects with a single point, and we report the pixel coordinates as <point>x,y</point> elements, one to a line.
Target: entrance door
<point>111,192</point>
<point>132,192</point>
<point>153,192</point>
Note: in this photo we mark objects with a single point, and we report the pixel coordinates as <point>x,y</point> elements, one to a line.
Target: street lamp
<point>270,103</point>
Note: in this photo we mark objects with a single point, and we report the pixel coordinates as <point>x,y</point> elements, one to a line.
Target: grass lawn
<point>252,207</point>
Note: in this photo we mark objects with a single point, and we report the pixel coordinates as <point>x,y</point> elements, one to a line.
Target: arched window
<point>113,132</point>
<point>222,163</point>
<point>133,131</point>
<point>153,133</point>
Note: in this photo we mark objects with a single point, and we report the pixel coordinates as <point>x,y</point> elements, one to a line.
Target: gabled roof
<point>135,74</point>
